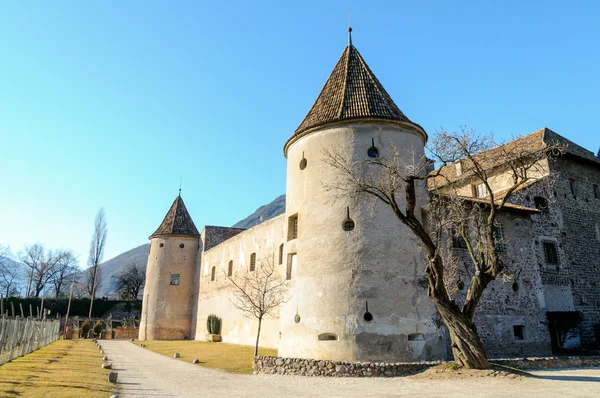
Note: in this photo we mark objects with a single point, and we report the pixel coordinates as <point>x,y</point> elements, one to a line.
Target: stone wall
<point>312,367</point>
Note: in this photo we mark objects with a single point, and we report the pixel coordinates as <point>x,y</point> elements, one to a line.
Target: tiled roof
<point>493,157</point>
<point>351,93</point>
<point>177,221</point>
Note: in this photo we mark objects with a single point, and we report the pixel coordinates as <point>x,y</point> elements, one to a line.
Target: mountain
<point>263,213</point>
<point>115,265</point>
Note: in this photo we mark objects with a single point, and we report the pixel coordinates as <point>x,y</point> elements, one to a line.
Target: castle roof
<point>177,221</point>
<point>352,93</point>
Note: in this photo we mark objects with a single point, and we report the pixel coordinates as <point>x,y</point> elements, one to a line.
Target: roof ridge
<point>345,75</point>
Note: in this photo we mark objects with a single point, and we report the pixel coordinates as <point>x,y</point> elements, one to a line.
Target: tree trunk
<point>465,342</point>
<point>257,337</point>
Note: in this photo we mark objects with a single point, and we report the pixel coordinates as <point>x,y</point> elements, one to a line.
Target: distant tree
<point>64,270</point>
<point>9,273</point>
<point>96,251</point>
<point>131,280</point>
<point>41,264</point>
<point>259,293</point>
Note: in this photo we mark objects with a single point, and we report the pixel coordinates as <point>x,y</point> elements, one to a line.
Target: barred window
<point>293,227</point>
<point>550,253</point>
<point>252,261</point>
<point>212,274</point>
<point>230,268</point>
<point>281,254</point>
<point>175,279</point>
<point>572,187</point>
<point>457,240</point>
<point>499,239</point>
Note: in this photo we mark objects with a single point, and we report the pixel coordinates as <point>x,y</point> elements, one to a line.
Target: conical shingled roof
<point>177,221</point>
<point>352,92</point>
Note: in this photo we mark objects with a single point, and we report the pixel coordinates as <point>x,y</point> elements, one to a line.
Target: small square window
<point>550,253</point>
<point>175,279</point>
<point>293,227</point>
<point>479,190</point>
<point>519,332</point>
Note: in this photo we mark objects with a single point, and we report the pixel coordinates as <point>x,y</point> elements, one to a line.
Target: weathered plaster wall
<point>167,309</point>
<point>338,272</point>
<point>217,297</point>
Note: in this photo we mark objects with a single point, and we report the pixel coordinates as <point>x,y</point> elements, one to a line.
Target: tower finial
<point>349,31</point>
<point>180,181</point>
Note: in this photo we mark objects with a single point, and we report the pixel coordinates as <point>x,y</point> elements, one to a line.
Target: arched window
<point>281,254</point>
<point>230,268</point>
<point>212,274</point>
<point>252,261</point>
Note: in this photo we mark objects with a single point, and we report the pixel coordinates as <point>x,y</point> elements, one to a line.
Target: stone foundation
<point>313,367</point>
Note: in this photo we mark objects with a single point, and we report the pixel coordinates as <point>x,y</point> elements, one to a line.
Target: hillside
<point>263,213</point>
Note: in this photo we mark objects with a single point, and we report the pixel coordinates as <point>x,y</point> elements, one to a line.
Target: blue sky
<point>108,103</point>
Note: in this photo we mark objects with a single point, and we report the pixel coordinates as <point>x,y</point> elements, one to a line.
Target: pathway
<point>143,373</point>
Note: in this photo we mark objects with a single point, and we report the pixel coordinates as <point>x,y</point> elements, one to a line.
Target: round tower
<point>169,290</point>
<point>357,274</point>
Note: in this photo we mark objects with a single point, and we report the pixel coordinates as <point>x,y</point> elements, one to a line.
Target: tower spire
<point>349,31</point>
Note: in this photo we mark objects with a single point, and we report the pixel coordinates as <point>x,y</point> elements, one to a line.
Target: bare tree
<point>41,265</point>
<point>131,280</point>
<point>9,273</point>
<point>259,293</point>
<point>97,251</point>
<point>395,182</point>
<point>64,270</point>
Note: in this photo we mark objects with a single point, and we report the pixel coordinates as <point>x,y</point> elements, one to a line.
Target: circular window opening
<point>181,246</point>
<point>348,224</point>
<point>161,245</point>
<point>368,316</point>
<point>297,318</point>
<point>373,152</point>
<point>303,163</point>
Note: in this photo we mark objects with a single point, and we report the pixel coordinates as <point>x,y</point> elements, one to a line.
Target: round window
<point>348,224</point>
<point>181,246</point>
<point>368,316</point>
<point>373,152</point>
<point>297,318</point>
<point>161,245</point>
<point>303,163</point>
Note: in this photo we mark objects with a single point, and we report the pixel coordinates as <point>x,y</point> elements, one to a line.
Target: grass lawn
<point>228,357</point>
<point>65,368</point>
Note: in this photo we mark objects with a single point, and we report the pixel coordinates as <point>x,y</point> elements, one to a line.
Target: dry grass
<point>228,357</point>
<point>65,368</point>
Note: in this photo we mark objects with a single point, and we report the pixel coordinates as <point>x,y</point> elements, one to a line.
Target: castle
<point>355,274</point>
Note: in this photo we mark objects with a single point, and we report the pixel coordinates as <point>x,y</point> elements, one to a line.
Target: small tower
<point>356,272</point>
<point>169,291</point>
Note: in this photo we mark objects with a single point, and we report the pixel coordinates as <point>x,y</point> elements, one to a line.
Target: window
<point>572,187</point>
<point>175,279</point>
<point>373,152</point>
<point>291,264</point>
<point>293,227</point>
<point>181,246</point>
<point>457,240</point>
<point>596,192</point>
<point>479,190</point>
<point>348,224</point>
<point>499,239</point>
<point>519,332</point>
<point>230,268</point>
<point>212,274</point>
<point>550,253</point>
<point>252,262</point>
<point>303,162</point>
<point>281,254</point>
<point>540,203</point>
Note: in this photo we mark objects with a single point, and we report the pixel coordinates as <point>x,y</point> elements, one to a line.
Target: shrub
<point>566,324</point>
<point>213,324</point>
<point>85,327</point>
<point>98,327</point>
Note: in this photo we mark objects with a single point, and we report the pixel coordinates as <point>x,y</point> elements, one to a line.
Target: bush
<point>85,327</point>
<point>98,327</point>
<point>213,324</point>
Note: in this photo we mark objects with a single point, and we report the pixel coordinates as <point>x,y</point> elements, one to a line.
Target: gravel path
<point>143,373</point>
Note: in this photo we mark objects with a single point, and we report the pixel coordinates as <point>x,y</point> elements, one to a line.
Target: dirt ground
<point>143,373</point>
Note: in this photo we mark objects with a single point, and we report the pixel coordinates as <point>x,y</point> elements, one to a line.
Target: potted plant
<point>85,328</point>
<point>213,326</point>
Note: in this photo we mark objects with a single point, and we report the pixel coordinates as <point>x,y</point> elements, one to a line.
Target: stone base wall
<point>313,367</point>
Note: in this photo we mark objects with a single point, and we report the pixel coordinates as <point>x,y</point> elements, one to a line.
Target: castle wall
<point>167,308</point>
<point>338,272</point>
<point>217,296</point>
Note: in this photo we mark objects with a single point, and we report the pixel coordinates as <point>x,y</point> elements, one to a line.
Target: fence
<point>20,336</point>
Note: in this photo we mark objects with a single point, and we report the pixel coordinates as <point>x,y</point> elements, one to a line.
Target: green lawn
<point>65,368</point>
<point>228,357</point>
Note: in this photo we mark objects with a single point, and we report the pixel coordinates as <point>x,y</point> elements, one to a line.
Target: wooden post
<point>22,313</point>
<point>1,305</point>
<point>12,307</point>
<point>30,311</point>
